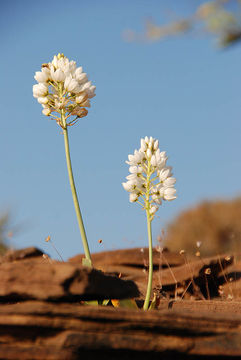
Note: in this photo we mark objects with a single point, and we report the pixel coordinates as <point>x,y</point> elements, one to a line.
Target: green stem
<point>88,261</point>
<point>149,219</point>
<point>150,274</point>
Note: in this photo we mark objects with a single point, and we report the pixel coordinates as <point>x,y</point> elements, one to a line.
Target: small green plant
<point>64,92</point>
<point>150,181</point>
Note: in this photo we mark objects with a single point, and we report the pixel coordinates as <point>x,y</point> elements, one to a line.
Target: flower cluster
<point>150,180</point>
<point>63,88</point>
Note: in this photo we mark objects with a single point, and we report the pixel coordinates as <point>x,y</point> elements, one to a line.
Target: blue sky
<point>183,91</point>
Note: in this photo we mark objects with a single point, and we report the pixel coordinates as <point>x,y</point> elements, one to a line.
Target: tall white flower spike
<point>63,89</point>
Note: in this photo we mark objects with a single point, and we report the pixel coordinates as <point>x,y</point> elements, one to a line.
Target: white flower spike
<point>63,89</point>
<point>149,183</point>
<point>150,180</point>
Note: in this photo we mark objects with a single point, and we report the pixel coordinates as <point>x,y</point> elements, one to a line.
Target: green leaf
<point>125,303</point>
<point>105,302</point>
<point>92,303</point>
<point>97,302</point>
<point>153,303</point>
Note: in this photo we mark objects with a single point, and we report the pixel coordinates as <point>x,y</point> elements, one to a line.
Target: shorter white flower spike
<point>150,180</point>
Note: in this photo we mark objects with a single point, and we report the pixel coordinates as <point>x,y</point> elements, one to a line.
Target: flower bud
<point>133,169</point>
<point>156,145</point>
<point>81,98</point>
<point>133,197</point>
<point>86,86</point>
<point>82,78</point>
<point>143,145</point>
<point>70,84</point>
<point>170,181</point>
<point>154,209</point>
<point>153,160</point>
<point>40,90</point>
<point>91,91</point>
<point>169,194</point>
<point>148,153</point>
<point>79,112</point>
<point>55,61</point>
<point>151,141</point>
<point>78,72</point>
<point>46,111</point>
<point>43,100</point>
<point>86,103</point>
<point>128,186</point>
<point>164,173</point>
<point>58,75</point>
<point>41,76</point>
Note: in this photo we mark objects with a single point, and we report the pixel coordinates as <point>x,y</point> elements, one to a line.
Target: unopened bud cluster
<point>150,180</point>
<point>63,88</point>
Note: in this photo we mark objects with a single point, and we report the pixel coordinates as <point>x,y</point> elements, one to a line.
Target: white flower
<point>143,145</point>
<point>70,84</point>
<point>151,142</point>
<point>57,75</point>
<point>80,76</point>
<point>72,67</point>
<point>46,111</point>
<point>153,209</point>
<point>42,76</point>
<point>86,85</point>
<point>43,99</point>
<point>169,194</point>
<point>135,159</point>
<point>150,181</point>
<point>133,197</point>
<point>157,199</point>
<point>55,61</point>
<point>169,182</point>
<point>164,173</point>
<point>156,145</point>
<point>135,169</point>
<point>91,91</point>
<point>132,185</point>
<point>128,186</point>
<point>153,160</point>
<point>78,72</point>
<point>81,98</point>
<point>40,90</point>
<point>67,87</point>
<point>148,153</point>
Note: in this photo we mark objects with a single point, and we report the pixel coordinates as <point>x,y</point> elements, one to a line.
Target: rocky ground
<point>43,311</point>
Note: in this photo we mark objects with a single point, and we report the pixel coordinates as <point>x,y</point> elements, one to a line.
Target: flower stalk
<point>64,92</point>
<point>87,260</point>
<point>150,181</point>
<point>150,273</point>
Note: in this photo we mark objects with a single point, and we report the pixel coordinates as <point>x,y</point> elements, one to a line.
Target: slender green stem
<point>150,274</point>
<point>149,220</point>
<point>74,193</point>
